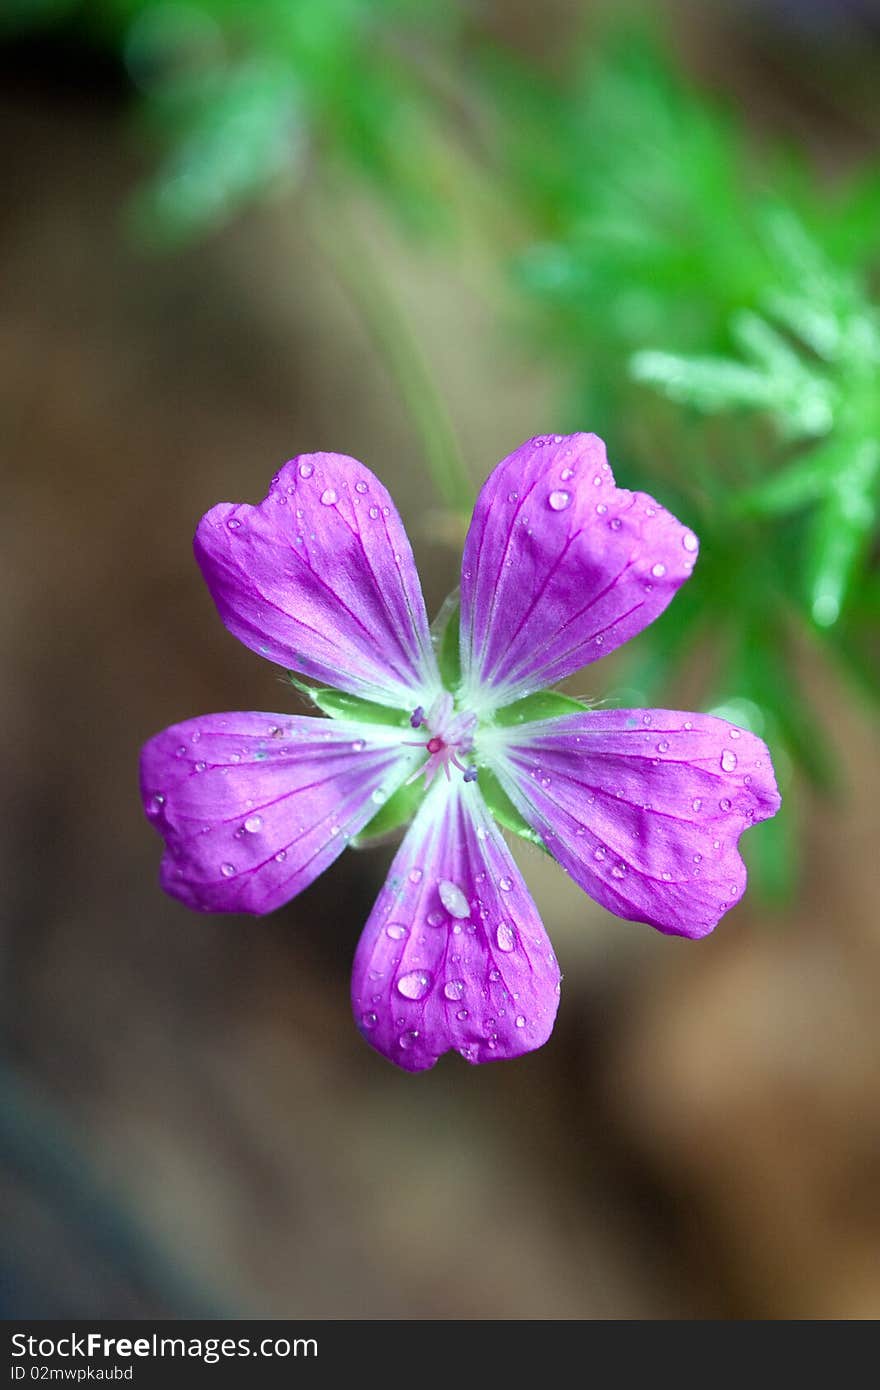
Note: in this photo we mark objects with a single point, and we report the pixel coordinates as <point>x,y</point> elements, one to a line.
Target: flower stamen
<point>451,735</point>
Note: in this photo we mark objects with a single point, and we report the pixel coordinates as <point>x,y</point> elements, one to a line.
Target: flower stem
<point>357,270</point>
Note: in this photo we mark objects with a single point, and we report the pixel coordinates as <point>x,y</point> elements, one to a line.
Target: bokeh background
<point>419,232</point>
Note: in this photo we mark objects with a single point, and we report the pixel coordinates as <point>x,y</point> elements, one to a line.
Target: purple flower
<point>644,809</point>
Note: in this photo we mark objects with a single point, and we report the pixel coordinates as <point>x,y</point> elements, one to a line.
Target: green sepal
<point>547,704</point>
<point>445,629</point>
<point>338,704</point>
<point>503,809</point>
<point>398,810</point>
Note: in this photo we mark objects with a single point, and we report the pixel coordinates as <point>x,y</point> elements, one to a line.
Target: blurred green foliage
<point>706,299</point>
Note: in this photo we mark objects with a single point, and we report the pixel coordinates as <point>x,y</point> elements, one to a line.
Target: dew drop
<point>281,856</point>
<point>414,985</point>
<point>379,795</point>
<point>462,1015</point>
<point>253,824</point>
<point>658,570</point>
<point>599,854</point>
<point>725,804</point>
<point>615,523</point>
<point>360,487</point>
<point>435,919</point>
<point>689,541</point>
<point>358,746</point>
<point>233,523</point>
<point>619,870</point>
<point>559,500</point>
<point>453,899</point>
<point>306,470</point>
<point>368,1020</point>
<point>395,931</point>
<point>199,767</point>
<point>601,508</point>
<point>512,496</point>
<point>454,989</point>
<point>374,512</point>
<point>415,875</point>
<point>520,1021</point>
<point>663,745</point>
<point>696,803</point>
<point>328,497</point>
<point>734,733</point>
<point>566,474</point>
<point>408,1040</point>
<point>505,884</point>
<point>505,937</point>
<point>728,760</point>
<point>227,870</point>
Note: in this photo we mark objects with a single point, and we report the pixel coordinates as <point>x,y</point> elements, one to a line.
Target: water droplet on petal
<point>601,508</point>
<point>728,760</point>
<point>408,1040</point>
<point>734,733</point>
<point>619,870</point>
<point>658,570</point>
<point>599,854</point>
<point>453,899</point>
<point>281,856</point>
<point>227,870</point>
<point>306,470</point>
<point>505,937</point>
<point>520,1021</point>
<point>253,824</point>
<point>725,804</point>
<point>454,989</point>
<point>415,985</point>
<point>663,745</point>
<point>435,919</point>
<point>199,767</point>
<point>689,541</point>
<point>462,1015</point>
<point>358,746</point>
<point>368,1020</point>
<point>697,803</point>
<point>415,875</point>
<point>233,523</point>
<point>360,487</point>
<point>559,500</point>
<point>328,497</point>
<point>566,474</point>
<point>155,804</point>
<point>395,931</point>
<point>615,523</point>
<point>505,884</point>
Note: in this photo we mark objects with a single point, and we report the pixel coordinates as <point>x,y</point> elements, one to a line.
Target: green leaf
<point>841,533</point>
<point>398,810</point>
<point>503,809</point>
<point>338,704</point>
<point>547,704</point>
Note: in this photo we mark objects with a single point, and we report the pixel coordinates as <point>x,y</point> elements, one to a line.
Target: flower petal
<point>253,807</point>
<point>454,954</point>
<point>643,808</point>
<point>320,578</point>
<point>560,567</point>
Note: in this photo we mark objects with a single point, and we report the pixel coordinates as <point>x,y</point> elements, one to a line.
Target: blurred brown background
<point>191,1122</point>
